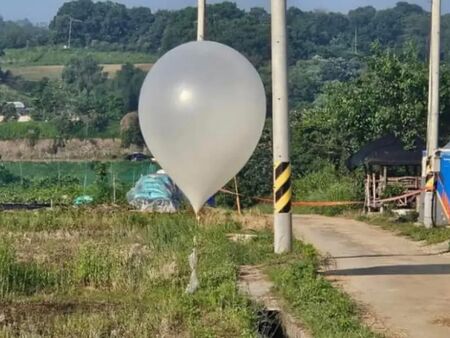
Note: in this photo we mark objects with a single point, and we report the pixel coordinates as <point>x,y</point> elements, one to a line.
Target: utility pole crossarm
<point>71,21</point>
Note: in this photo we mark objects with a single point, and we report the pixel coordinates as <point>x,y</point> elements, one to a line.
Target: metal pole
<point>201,20</point>
<point>70,32</point>
<point>282,165</point>
<point>433,104</point>
<point>238,198</point>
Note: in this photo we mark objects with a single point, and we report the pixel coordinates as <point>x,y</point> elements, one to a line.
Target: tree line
<point>113,26</point>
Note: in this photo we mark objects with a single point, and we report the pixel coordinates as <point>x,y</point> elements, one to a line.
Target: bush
<point>393,190</point>
<point>7,177</point>
<point>132,135</point>
<point>328,184</point>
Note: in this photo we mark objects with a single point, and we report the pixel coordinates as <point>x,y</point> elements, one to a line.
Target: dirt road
<point>405,288</point>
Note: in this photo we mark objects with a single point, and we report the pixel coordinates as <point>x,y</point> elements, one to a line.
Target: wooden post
<point>238,199</point>
<point>367,197</point>
<point>374,188</point>
<point>382,186</point>
<point>368,194</point>
<point>114,188</point>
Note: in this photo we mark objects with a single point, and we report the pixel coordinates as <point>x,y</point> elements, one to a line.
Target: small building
<point>2,118</point>
<point>391,169</point>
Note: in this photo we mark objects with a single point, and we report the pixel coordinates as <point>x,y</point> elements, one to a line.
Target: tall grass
<point>126,275</point>
<point>408,228</point>
<point>22,278</point>
<point>328,185</point>
<point>94,265</point>
<point>20,130</point>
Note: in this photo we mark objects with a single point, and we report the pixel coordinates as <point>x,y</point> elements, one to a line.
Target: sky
<point>42,11</point>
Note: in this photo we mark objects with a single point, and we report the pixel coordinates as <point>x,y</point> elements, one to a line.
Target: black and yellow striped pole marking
<point>283,187</point>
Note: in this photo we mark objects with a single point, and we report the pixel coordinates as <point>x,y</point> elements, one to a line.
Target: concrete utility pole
<point>433,104</point>
<point>283,171</point>
<point>71,21</point>
<point>201,20</point>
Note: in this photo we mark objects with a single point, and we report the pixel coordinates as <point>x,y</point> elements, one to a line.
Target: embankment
<point>68,150</point>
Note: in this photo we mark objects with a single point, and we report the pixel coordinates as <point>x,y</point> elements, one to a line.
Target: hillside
<point>36,63</point>
<point>111,27</point>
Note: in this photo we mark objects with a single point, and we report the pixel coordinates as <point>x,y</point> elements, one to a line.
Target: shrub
<point>328,184</point>
<point>7,177</point>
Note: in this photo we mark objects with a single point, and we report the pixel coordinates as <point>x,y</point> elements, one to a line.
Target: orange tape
<point>298,204</point>
<point>326,203</point>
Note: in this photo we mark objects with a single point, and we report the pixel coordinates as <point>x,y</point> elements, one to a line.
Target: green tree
<point>390,97</point>
<point>127,86</point>
<point>83,74</point>
<point>308,77</point>
<point>49,99</point>
<point>9,112</point>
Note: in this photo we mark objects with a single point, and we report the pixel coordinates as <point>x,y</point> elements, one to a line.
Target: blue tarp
<point>83,200</point>
<point>156,193</point>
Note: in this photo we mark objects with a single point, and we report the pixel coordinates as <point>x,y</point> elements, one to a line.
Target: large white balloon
<point>202,110</point>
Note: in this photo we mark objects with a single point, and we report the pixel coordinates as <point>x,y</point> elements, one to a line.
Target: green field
<point>36,73</point>
<point>47,130</point>
<point>111,272</point>
<point>125,172</point>
<point>38,62</point>
<point>50,56</point>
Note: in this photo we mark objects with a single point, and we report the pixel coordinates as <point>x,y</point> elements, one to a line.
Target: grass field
<point>36,73</point>
<point>38,62</point>
<point>110,272</point>
<point>49,56</point>
<point>114,273</point>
